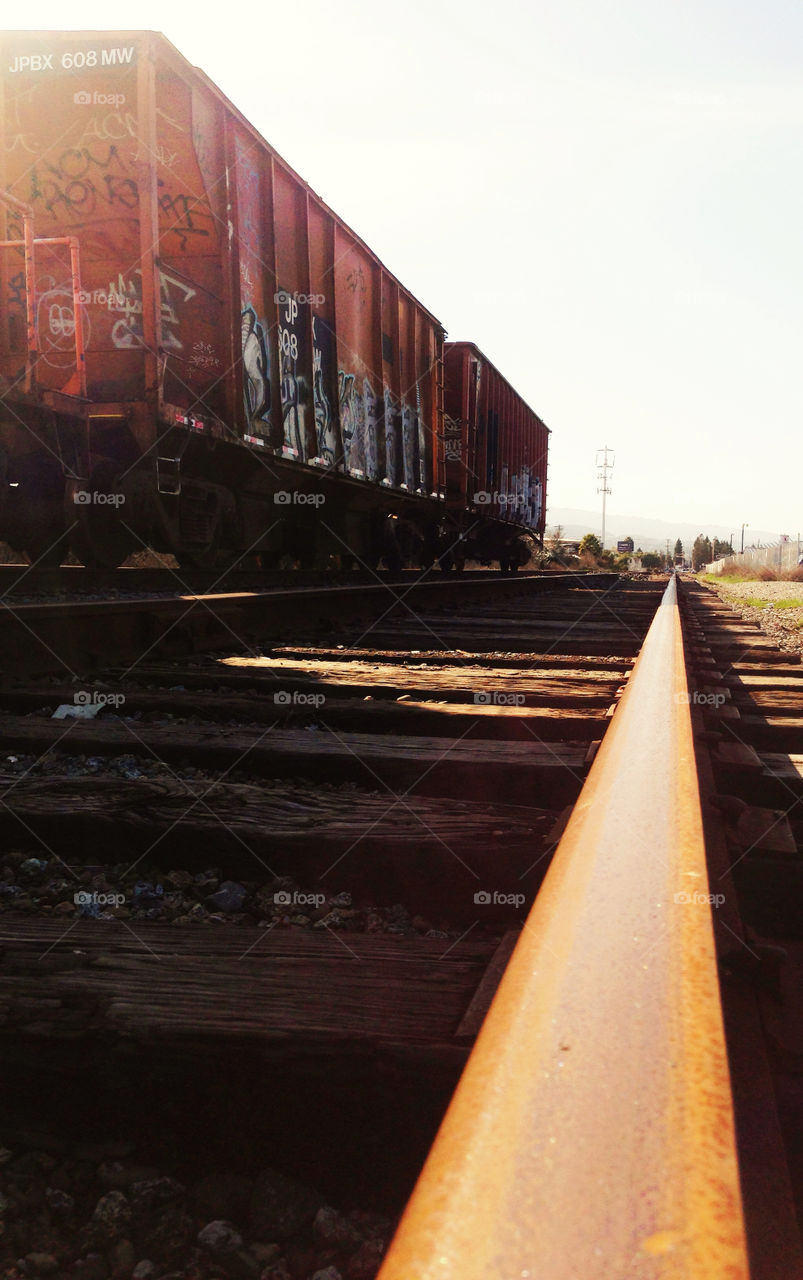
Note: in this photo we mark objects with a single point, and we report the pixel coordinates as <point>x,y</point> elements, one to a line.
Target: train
<point>198,356</point>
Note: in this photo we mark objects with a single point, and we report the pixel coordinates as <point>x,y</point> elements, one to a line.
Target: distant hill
<point>649,534</point>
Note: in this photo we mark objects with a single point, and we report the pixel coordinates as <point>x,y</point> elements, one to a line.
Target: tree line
<point>703,551</point>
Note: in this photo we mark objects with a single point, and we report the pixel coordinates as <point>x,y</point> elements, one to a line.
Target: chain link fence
<point>780,556</point>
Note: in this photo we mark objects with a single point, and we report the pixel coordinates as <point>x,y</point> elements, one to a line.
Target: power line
<point>603,467</point>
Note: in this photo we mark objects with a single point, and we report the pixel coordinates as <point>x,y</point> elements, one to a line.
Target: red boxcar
<point>195,351</point>
<point>495,459</point>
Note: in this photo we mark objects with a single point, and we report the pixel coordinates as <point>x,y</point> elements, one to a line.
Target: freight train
<point>197,355</point>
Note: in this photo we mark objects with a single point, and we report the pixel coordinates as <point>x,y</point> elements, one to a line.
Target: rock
<point>180,879</point>
<point>264,1253</point>
<point>147,894</point>
<point>224,1195</point>
<point>111,1219</point>
<point>122,1258</point>
<point>328,1273</point>
<point>64,909</point>
<point>330,1227</point>
<point>220,1238</point>
<point>59,1202</point>
<point>206,881</point>
<point>171,1237</point>
<point>364,1264</point>
<point>5,1155</point>
<point>276,1271</point>
<point>149,1193</point>
<point>42,1263</point>
<point>229,897</point>
<point>33,866</point>
<point>280,1206</point>
<point>92,1267</point>
<point>144,1270</point>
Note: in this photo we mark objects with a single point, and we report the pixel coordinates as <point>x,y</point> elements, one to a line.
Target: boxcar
<point>195,352</point>
<point>495,450</point>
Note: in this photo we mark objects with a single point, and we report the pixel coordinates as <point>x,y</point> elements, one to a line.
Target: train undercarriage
<point>95,487</point>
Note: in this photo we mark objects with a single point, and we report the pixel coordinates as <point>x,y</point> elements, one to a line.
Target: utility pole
<point>603,467</point>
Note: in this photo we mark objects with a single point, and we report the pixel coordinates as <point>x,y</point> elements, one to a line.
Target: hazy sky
<point>605,195</point>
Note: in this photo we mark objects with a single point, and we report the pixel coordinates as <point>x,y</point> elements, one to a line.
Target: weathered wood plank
<point>292,986</point>
<point>393,762</point>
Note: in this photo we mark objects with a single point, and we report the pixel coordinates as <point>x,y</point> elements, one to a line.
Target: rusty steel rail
<point>591,1134</point>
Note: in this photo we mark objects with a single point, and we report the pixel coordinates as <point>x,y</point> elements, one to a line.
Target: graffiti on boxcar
<point>391,437</point>
<point>78,162</point>
<point>203,358</point>
<point>409,446</point>
<point>20,140</point>
<point>56,325</point>
<point>293,385</point>
<point>256,371</point>
<point>69,184</point>
<point>126,296</point>
<point>188,212</point>
<point>325,429</point>
<point>16,290</point>
<point>422,440</point>
<point>111,126</point>
<point>371,408</point>
<point>159,153</point>
<point>355,280</point>
<point>535,501</point>
<point>352,422</point>
<point>292,393</point>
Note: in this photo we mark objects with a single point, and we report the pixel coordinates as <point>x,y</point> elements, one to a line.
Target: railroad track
<point>60,626</point>
<point>75,581</point>
<point>303,868</point>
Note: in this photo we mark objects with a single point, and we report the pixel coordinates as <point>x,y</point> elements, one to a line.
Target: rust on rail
<point>592,1133</point>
